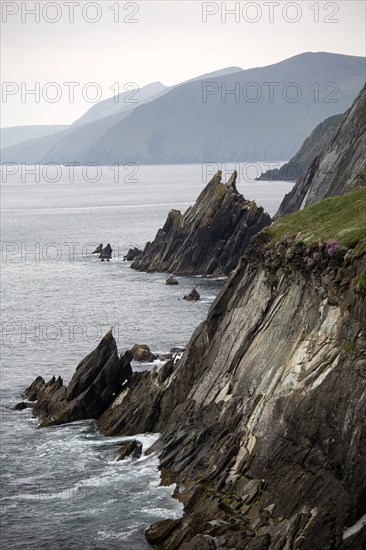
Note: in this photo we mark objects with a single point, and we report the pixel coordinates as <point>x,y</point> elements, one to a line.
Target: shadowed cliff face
<point>263,421</point>
<point>92,389</point>
<point>210,237</point>
<point>339,168</point>
<point>301,162</point>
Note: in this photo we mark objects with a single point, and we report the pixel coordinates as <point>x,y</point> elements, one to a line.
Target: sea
<point>62,487</point>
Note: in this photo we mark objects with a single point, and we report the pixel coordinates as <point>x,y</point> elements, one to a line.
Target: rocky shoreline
<point>261,420</point>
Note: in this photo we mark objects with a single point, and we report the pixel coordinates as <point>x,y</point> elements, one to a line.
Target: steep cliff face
<point>262,421</point>
<point>301,162</point>
<point>340,167</point>
<point>210,237</point>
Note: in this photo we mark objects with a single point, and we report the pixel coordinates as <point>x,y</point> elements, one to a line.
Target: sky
<point>47,45</point>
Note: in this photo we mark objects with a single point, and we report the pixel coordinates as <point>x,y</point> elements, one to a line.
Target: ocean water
<point>62,487</point>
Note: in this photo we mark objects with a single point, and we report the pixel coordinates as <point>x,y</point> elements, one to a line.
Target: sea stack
<point>210,237</point>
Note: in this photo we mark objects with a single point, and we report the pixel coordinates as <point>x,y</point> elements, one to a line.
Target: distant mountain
<point>82,134</point>
<point>301,162</point>
<point>123,102</point>
<point>226,123</point>
<point>339,167</point>
<point>16,134</point>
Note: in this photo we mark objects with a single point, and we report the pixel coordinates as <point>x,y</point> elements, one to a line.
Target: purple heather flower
<point>332,246</point>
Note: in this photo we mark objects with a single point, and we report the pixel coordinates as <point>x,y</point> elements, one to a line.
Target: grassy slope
<point>342,218</point>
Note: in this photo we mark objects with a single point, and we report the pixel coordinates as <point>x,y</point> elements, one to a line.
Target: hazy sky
<point>170,41</point>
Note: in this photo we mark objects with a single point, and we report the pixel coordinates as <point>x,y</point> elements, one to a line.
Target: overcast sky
<point>170,41</point>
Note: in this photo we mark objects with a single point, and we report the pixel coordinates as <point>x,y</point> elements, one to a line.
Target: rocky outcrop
<point>301,162</point>
<point>211,235</point>
<point>340,167</point>
<point>132,254</point>
<point>193,296</point>
<point>92,389</point>
<point>131,449</point>
<point>171,281</point>
<point>106,253</point>
<point>99,249</point>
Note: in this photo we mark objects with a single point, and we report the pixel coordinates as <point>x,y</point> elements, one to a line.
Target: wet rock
<point>177,350</point>
<point>209,238</point>
<point>23,405</point>
<point>34,389</point>
<point>193,296</point>
<point>106,253</point>
<point>131,449</point>
<point>142,352</point>
<point>92,389</point>
<point>158,532</point>
<point>171,281</point>
<point>99,249</point>
<point>132,254</point>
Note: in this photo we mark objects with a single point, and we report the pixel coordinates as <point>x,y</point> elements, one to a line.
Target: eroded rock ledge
<point>210,237</point>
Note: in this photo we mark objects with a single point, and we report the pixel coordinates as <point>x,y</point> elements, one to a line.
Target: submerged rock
<point>171,281</point>
<point>131,449</point>
<point>142,352</point>
<point>210,237</point>
<point>106,253</point>
<point>193,296</point>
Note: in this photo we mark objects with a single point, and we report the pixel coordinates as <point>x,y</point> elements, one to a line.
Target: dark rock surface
<point>131,449</point>
<point>193,296</point>
<point>142,352</point>
<point>99,249</point>
<point>132,254</point>
<point>339,168</point>
<point>106,253</point>
<point>91,390</point>
<point>171,281</point>
<point>210,237</point>
<point>262,420</point>
<point>301,162</point>
<point>23,405</point>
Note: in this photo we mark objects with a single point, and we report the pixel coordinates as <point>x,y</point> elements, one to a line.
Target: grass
<point>342,218</point>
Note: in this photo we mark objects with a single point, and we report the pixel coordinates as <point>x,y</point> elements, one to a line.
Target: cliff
<point>301,162</point>
<point>211,235</point>
<point>262,420</point>
<point>340,167</point>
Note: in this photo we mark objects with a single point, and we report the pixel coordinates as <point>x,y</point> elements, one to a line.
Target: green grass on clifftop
<point>342,218</point>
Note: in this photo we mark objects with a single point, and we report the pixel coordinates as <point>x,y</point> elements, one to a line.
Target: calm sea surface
<point>61,487</point>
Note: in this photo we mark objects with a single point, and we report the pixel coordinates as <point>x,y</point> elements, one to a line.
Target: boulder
<point>141,352</point>
<point>99,249</point>
<point>131,449</point>
<point>193,296</point>
<point>171,281</point>
<point>106,253</point>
